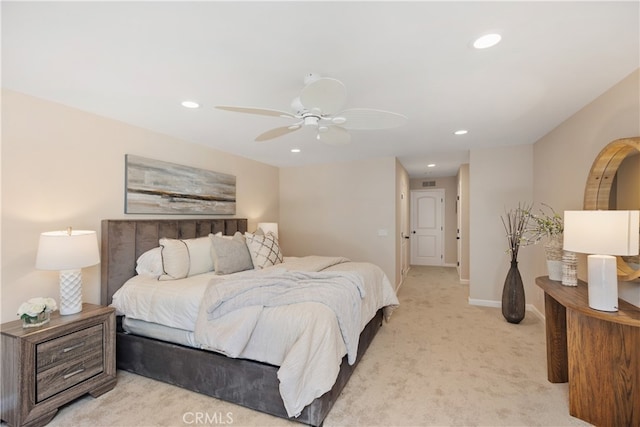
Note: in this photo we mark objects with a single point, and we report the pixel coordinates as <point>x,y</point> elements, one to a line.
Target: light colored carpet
<point>438,362</point>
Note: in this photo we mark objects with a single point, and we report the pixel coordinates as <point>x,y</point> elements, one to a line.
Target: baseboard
<point>464,281</point>
<point>399,285</point>
<point>485,303</point>
<point>532,308</point>
<point>497,304</point>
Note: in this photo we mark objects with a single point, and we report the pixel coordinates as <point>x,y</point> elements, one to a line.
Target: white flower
<point>35,306</point>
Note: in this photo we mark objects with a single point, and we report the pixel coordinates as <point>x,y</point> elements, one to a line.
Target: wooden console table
<point>597,352</point>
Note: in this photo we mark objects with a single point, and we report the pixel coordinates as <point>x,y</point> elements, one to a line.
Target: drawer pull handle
<point>70,374</point>
<point>73,347</point>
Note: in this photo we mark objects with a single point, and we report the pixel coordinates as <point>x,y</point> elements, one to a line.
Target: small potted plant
<point>547,224</point>
<point>36,311</point>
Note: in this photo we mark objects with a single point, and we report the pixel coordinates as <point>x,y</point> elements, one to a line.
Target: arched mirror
<point>614,183</point>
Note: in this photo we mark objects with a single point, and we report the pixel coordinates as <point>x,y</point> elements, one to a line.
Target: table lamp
<point>602,234</point>
<point>269,227</point>
<point>68,251</point>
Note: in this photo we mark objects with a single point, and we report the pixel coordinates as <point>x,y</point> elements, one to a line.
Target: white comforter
<point>341,291</point>
<point>263,332</point>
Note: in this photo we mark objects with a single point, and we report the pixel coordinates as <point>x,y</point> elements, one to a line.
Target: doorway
<point>427,227</point>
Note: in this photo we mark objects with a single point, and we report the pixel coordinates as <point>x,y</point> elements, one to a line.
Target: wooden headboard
<point>124,240</point>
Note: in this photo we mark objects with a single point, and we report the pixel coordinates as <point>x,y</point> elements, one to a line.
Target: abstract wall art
<point>157,187</point>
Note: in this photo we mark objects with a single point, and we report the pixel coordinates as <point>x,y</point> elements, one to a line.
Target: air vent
<point>428,183</point>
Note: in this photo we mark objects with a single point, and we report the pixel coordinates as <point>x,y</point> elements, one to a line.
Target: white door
<point>427,227</point>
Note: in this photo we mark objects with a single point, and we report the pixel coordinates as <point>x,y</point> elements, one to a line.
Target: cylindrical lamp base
<point>70,291</point>
<point>603,282</point>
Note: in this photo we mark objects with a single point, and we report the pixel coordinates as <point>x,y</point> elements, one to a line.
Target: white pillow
<point>175,259</point>
<point>185,257</point>
<point>264,250</point>
<point>150,263</point>
<point>200,260</point>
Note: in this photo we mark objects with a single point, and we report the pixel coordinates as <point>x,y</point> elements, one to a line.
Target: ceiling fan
<point>319,106</point>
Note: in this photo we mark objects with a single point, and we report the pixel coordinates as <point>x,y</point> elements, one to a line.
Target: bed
<point>252,383</point>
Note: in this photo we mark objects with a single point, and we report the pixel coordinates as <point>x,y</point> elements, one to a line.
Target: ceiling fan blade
<point>368,118</point>
<point>274,133</point>
<point>259,111</point>
<point>326,94</point>
<point>334,135</point>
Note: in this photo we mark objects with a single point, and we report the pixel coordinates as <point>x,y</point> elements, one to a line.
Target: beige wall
<point>564,157</point>
<point>499,179</point>
<point>627,196</point>
<point>346,209</point>
<point>450,186</point>
<point>553,171</point>
<point>64,167</point>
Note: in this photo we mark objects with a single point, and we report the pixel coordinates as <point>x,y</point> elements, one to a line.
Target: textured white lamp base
<point>603,282</point>
<point>70,291</point>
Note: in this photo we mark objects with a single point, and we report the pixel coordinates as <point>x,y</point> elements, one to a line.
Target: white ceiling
<point>136,61</point>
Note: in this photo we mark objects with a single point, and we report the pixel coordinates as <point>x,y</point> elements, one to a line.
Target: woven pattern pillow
<point>264,249</point>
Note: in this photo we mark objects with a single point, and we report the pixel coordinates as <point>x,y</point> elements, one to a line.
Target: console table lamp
<point>269,227</point>
<point>68,251</point>
<point>602,234</point>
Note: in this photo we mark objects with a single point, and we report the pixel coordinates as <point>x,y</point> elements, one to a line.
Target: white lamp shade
<point>602,232</point>
<point>59,250</point>
<point>269,227</point>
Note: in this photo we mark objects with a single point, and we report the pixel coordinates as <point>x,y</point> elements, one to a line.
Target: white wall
<point>341,209</point>
<point>500,178</point>
<point>64,167</point>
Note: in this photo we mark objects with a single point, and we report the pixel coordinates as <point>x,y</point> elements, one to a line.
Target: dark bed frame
<point>244,382</point>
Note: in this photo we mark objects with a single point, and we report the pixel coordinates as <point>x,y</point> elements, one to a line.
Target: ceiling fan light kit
<point>320,105</point>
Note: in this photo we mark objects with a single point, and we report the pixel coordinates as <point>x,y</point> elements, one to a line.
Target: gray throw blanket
<point>341,291</point>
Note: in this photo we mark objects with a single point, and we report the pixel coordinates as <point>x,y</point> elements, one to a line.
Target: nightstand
<point>46,367</point>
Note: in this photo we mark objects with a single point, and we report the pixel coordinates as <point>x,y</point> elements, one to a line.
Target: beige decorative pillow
<point>265,250</point>
<point>230,255</point>
<point>185,257</point>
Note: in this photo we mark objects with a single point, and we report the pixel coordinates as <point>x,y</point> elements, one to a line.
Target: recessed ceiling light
<point>461,132</point>
<point>295,150</point>
<point>190,104</point>
<point>431,165</point>
<point>487,40</point>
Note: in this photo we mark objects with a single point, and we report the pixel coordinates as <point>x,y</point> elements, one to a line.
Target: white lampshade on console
<point>68,251</point>
<point>602,234</point>
<point>269,227</point>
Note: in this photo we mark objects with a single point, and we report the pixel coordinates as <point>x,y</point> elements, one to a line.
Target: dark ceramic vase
<point>513,305</point>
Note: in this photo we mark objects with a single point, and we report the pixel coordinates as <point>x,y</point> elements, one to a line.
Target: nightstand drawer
<point>68,347</point>
<point>66,361</point>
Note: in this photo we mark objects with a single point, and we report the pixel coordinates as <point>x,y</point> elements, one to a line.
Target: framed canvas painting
<point>157,187</point>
